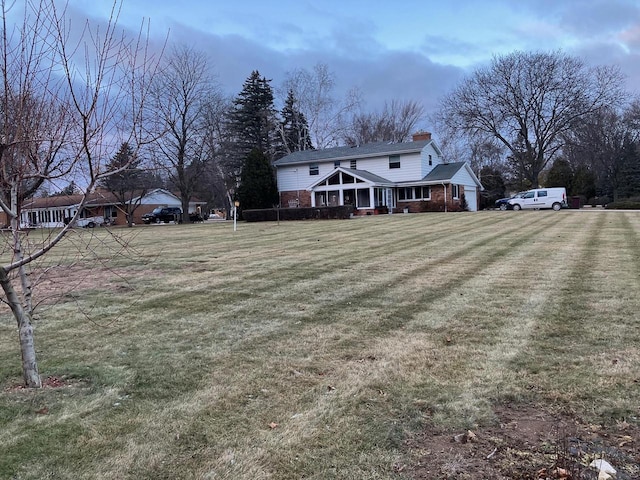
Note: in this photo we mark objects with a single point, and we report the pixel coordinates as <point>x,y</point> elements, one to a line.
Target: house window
<point>363,198</point>
<point>423,193</point>
<point>394,161</point>
<point>430,160</point>
<point>455,191</point>
<point>414,193</point>
<point>336,163</point>
<point>354,164</point>
<point>313,169</point>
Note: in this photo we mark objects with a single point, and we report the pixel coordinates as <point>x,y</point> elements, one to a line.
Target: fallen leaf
<point>273,425</point>
<point>42,411</point>
<point>625,440</point>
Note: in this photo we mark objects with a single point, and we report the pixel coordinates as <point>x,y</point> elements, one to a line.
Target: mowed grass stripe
<point>278,369</point>
<point>585,349</point>
<point>346,371</point>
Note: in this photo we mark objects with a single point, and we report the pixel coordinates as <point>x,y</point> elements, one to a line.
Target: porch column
<point>341,199</point>
<point>313,199</point>
<point>372,197</point>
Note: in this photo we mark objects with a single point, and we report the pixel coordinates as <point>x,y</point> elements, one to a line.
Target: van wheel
<point>556,206</point>
<point>91,225</point>
<point>516,207</point>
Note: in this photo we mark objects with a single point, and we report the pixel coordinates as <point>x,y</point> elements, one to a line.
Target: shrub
<point>624,204</point>
<point>307,213</point>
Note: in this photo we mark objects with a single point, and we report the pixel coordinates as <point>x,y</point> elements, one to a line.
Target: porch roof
<point>370,178</point>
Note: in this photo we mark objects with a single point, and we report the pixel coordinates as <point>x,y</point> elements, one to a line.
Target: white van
<point>538,198</point>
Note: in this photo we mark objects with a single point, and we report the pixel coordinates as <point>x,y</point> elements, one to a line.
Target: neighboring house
<point>51,212</point>
<point>396,177</point>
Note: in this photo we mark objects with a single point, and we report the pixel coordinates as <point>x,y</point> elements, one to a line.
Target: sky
<point>388,50</point>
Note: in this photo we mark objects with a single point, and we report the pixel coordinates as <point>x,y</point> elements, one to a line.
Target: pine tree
<point>130,184</point>
<point>295,129</point>
<point>252,120</point>
<point>258,186</point>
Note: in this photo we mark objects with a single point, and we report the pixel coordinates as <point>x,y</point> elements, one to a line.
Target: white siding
<point>462,177</point>
<point>424,159</point>
<point>409,167</point>
<point>296,177</point>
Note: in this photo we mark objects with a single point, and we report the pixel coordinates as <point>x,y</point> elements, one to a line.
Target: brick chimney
<point>419,136</point>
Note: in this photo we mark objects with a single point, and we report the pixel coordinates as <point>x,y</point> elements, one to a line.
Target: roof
<point>443,172</point>
<point>361,174</point>
<point>99,197</point>
<point>352,153</point>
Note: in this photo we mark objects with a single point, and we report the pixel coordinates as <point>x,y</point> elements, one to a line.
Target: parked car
<point>503,203</point>
<point>539,198</point>
<point>163,214</point>
<point>90,222</point>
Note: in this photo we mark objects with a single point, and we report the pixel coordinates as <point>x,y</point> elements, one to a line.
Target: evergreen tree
<point>131,182</point>
<point>294,126</point>
<point>629,174</point>
<point>494,186</point>
<point>560,175</point>
<point>584,182</point>
<point>252,120</point>
<point>258,186</point>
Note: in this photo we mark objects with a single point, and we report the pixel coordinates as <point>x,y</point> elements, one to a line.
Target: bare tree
<point>327,117</point>
<point>62,103</point>
<point>394,123</point>
<point>527,102</point>
<point>182,94</point>
<point>605,142</point>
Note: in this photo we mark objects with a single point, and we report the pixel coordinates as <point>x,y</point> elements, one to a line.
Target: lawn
<point>324,349</point>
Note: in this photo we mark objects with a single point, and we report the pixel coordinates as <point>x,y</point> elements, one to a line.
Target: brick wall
<point>303,196</point>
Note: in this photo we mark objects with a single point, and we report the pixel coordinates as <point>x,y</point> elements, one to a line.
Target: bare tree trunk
<point>25,332</point>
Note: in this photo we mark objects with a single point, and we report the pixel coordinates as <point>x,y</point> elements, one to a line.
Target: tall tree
<point>394,123</point>
<point>327,115</point>
<point>258,185</point>
<point>604,142</point>
<point>253,121</point>
<point>294,127</point>
<point>62,102</point>
<point>129,183</point>
<point>182,94</point>
<point>527,102</point>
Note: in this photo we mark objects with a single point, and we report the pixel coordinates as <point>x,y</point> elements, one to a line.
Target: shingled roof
<point>352,153</point>
<point>443,172</point>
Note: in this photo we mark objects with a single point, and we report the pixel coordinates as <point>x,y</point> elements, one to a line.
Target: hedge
<point>315,213</point>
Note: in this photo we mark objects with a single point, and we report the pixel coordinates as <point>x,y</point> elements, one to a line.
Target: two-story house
<point>396,177</point>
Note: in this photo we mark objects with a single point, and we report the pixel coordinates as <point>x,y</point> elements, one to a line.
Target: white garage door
<point>471,197</point>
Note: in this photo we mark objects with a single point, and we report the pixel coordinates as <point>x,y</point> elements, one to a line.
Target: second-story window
<point>313,169</point>
<point>354,164</point>
<point>394,161</point>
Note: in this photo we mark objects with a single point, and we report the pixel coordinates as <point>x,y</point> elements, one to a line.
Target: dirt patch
<point>525,443</point>
<point>47,383</point>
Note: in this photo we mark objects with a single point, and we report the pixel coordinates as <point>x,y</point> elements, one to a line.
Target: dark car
<point>503,203</point>
<point>163,214</point>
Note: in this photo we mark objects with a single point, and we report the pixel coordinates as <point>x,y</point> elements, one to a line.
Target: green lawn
<point>314,349</point>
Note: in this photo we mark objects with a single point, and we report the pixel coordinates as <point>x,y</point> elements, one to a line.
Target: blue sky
<point>406,49</point>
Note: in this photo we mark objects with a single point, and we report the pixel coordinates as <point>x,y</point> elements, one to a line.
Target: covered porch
<point>358,188</point>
